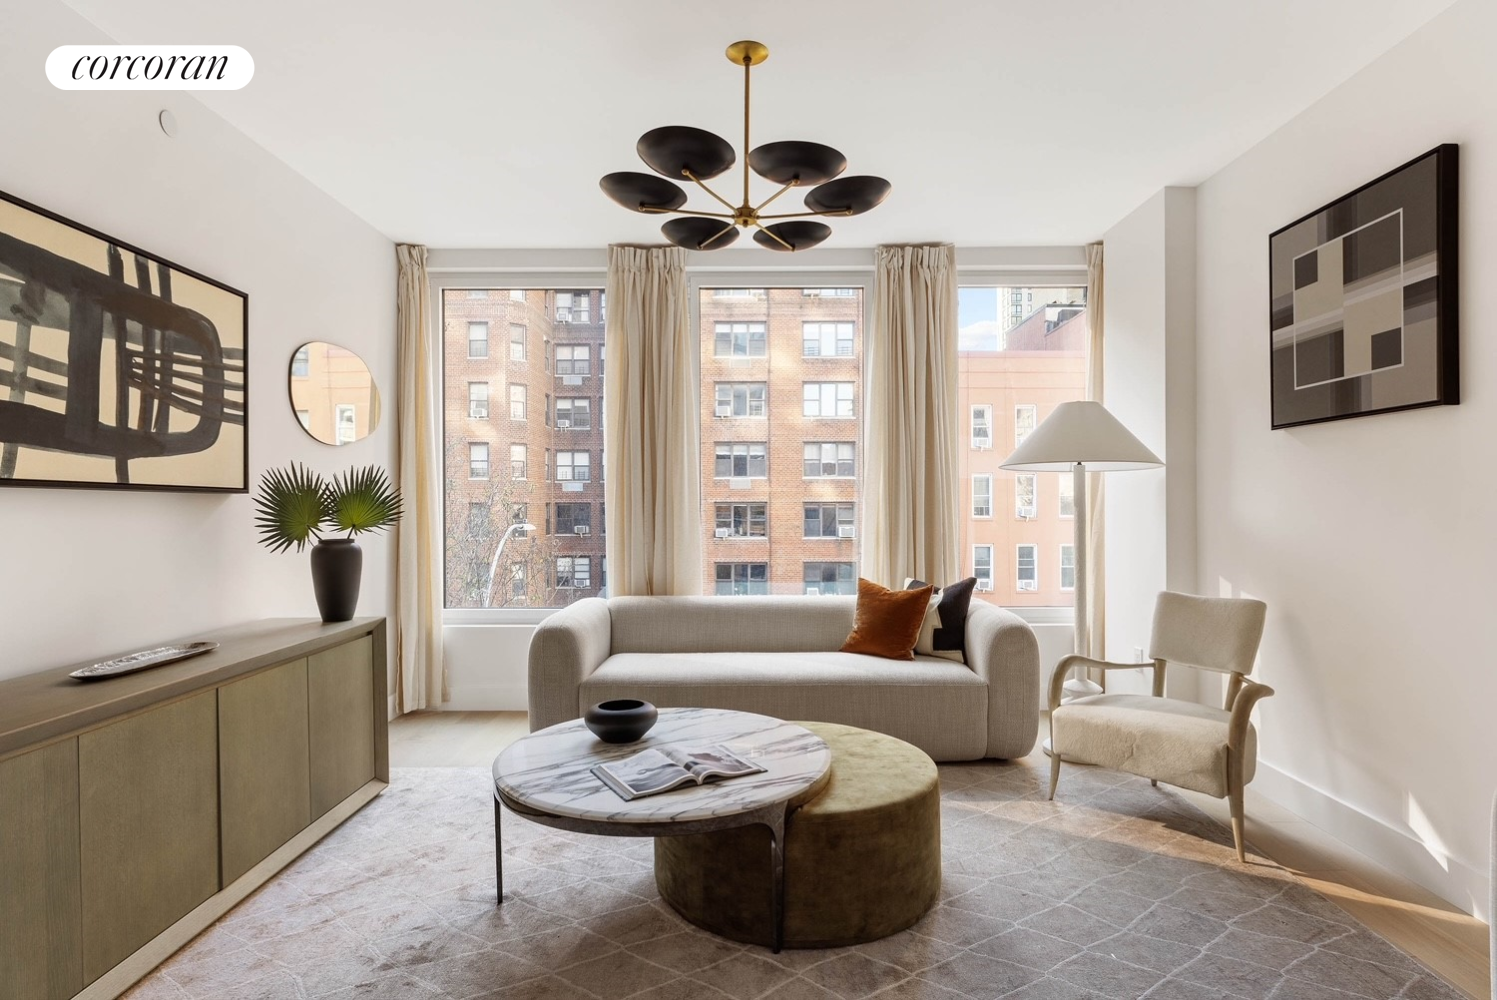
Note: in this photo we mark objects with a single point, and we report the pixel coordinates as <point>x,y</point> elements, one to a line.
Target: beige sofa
<point>778,656</point>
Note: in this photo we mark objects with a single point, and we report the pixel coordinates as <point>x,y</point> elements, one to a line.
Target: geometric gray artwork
<point>1364,299</point>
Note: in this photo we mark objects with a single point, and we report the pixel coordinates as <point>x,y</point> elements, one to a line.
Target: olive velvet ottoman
<point>862,853</point>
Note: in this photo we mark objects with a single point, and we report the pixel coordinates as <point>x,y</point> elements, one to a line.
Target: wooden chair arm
<point>1242,709</point>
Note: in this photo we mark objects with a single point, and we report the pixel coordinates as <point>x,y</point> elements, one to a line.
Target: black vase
<point>622,721</point>
<point>337,566</point>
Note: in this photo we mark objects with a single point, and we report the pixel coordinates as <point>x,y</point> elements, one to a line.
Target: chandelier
<point>680,151</point>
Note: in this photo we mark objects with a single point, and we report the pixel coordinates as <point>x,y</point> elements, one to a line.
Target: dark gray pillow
<point>950,636</point>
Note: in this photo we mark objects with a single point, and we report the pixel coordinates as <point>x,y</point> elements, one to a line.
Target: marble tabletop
<point>550,771</point>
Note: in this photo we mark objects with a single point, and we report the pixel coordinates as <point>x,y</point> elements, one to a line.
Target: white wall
<point>1149,385</point>
<point>1371,539</point>
<point>86,573</point>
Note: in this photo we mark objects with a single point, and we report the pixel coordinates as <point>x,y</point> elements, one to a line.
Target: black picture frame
<point>185,362</point>
<point>1342,373</point>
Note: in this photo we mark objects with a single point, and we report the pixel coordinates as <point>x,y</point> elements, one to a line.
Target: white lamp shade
<point>1081,431</point>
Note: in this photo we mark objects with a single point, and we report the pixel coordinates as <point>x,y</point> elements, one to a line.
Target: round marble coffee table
<point>547,778</point>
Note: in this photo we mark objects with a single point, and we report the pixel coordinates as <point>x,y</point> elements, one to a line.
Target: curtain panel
<point>652,434</point>
<point>420,672</point>
<point>1093,635</point>
<point>910,489</point>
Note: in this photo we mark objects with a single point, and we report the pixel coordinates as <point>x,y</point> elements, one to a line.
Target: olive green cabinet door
<point>264,765</point>
<point>340,700</point>
<point>40,933</point>
<point>148,819</point>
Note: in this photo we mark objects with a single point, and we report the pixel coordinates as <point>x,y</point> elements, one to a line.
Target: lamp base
<point>1079,687</point>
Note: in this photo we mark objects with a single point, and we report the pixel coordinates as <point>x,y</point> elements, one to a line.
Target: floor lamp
<point>1078,438</point>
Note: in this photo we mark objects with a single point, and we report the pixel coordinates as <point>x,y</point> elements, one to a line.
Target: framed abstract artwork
<point>118,369</point>
<point>1363,311</point>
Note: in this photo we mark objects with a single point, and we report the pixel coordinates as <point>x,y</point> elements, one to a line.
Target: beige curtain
<point>910,502</point>
<point>420,674</point>
<point>1095,582</point>
<point>652,420</point>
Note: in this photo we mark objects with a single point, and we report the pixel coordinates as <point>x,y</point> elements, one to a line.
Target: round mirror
<point>333,394</point>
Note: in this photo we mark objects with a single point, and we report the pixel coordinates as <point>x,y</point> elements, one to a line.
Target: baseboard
<point>491,697</point>
<point>1396,848</point>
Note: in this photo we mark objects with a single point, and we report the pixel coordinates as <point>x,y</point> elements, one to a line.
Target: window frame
<point>987,410</point>
<point>988,478</point>
<point>1033,480</point>
<point>836,387</point>
<point>473,399</point>
<point>1034,567</point>
<point>1060,574</point>
<point>992,569</point>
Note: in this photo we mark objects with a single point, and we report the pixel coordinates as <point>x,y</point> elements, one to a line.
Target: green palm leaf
<point>362,500</point>
<point>290,507</point>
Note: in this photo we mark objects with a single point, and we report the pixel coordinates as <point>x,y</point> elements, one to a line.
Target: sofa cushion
<point>888,621</point>
<point>724,624</point>
<point>944,632</point>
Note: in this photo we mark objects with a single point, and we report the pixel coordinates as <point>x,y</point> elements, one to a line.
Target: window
<point>1025,485</point>
<point>827,340</point>
<point>741,520</point>
<point>738,293</point>
<point>574,573</point>
<point>1068,567</point>
<point>304,417</point>
<point>1067,494</point>
<point>1026,568</point>
<point>574,413</point>
<point>573,466</point>
<point>828,399</point>
<point>982,496</point>
<point>740,399</point>
<point>574,359</point>
<point>517,349</point>
<point>478,400</point>
<point>741,460</point>
<point>517,461</point>
<point>828,520</point>
<point>517,295</point>
<point>517,582</point>
<point>478,460</point>
<point>829,459</point>
<point>737,579</point>
<point>830,578</point>
<point>830,293</point>
<point>520,514</point>
<point>572,516</point>
<point>1024,421</point>
<point>573,307</point>
<point>982,427</point>
<point>517,399</point>
<point>478,293</point>
<point>739,340</point>
<point>478,339</point>
<point>301,363</point>
<point>345,416</point>
<point>982,566</point>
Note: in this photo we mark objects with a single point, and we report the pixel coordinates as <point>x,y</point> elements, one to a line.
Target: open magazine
<point>653,771</point>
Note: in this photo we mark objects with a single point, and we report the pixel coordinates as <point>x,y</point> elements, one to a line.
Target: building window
<point>830,578</point>
<point>517,295</point>
<point>517,461</point>
<point>1067,494</point>
<point>301,362</point>
<point>829,459</point>
<point>517,351</point>
<point>574,413</point>
<point>345,416</point>
<point>830,293</point>
<point>1068,567</point>
<point>520,515</point>
<point>982,496</point>
<point>518,396</point>
<point>738,579</point>
<point>741,460</point>
<point>1025,487</point>
<point>478,339</point>
<point>574,359</point>
<point>982,427</point>
<point>478,400</point>
<point>478,293</point>
<point>573,466</point>
<point>1024,422</point>
<point>574,573</point>
<point>571,516</point>
<point>740,399</point>
<point>741,520</point>
<point>739,340</point>
<point>478,460</point>
<point>827,340</point>
<point>573,307</point>
<point>1027,574</point>
<point>478,515</point>
<point>828,399</point>
<point>517,583</point>
<point>738,293</point>
<point>982,566</point>
<point>828,520</point>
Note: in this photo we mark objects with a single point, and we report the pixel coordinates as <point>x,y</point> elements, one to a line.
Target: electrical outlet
<point>1138,654</point>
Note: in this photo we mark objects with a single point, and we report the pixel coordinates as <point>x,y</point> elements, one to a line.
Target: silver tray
<point>142,660</point>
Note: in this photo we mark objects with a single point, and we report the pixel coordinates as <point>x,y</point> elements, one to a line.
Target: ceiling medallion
<point>697,155</point>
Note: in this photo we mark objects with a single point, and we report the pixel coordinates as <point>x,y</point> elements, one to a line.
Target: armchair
<point>1208,750</point>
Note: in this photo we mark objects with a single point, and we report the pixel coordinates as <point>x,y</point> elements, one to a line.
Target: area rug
<point>1117,890</point>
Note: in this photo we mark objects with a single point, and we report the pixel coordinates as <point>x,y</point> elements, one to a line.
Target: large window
<point>743,460</point>
<point>574,359</point>
<point>830,578</point>
<point>573,307</point>
<point>827,340</point>
<point>1026,564</point>
<point>574,518</point>
<point>478,339</point>
<point>828,399</point>
<point>830,459</point>
<point>741,520</point>
<point>478,460</point>
<point>478,400</point>
<point>574,572</point>
<point>736,579</point>
<point>982,496</point>
<point>740,340</point>
<point>518,397</point>
<point>517,347</point>
<point>982,566</point>
<point>573,467</point>
<point>740,399</point>
<point>517,461</point>
<point>574,413</point>
<point>1026,486</point>
<point>828,520</point>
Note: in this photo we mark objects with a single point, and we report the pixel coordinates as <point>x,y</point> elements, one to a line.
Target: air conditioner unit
<point>982,512</point>
<point>571,380</point>
<point>740,483</point>
<point>479,413</point>
<point>563,315</point>
<point>1026,512</point>
<point>1029,585</point>
<point>722,532</point>
<point>985,585</point>
<point>846,531</point>
<point>813,591</point>
<point>980,444</point>
<point>580,529</point>
<point>563,423</point>
<point>725,410</point>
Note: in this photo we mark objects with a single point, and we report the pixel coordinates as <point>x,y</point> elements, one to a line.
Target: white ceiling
<point>487,123</point>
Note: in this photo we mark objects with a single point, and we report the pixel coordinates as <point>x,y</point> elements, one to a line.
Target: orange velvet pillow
<point>888,621</point>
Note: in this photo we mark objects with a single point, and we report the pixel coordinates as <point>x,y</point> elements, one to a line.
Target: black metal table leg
<point>777,880</point>
<point>498,858</point>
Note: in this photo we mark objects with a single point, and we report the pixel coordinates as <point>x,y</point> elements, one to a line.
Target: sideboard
<point>136,810</point>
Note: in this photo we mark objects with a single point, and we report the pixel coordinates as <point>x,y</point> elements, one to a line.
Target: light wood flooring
<point>1446,939</point>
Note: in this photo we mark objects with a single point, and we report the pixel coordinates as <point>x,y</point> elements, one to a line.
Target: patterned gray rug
<point>1119,891</point>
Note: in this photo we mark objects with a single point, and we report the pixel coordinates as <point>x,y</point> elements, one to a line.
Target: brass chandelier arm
<point>717,235</point>
<point>760,207</point>
<point>748,63</point>
<point>651,210</point>
<point>698,182</point>
<point>775,237</point>
<point>801,215</point>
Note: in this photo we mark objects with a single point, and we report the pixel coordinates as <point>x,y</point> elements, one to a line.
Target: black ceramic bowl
<point>621,721</point>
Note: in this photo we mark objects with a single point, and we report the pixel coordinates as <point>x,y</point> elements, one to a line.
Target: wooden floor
<point>1447,940</point>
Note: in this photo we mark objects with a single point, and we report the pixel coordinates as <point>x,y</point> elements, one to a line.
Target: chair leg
<point>1054,770</point>
<point>1234,802</point>
<point>1153,783</point>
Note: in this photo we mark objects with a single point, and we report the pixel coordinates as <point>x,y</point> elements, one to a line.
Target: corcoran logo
<point>149,67</point>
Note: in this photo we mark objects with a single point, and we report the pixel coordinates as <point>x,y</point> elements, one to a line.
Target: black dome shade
<point>800,235</point>
<point>807,163</point>
<point>637,192</point>
<point>673,148</point>
<point>848,195</point>
<point>693,232</point>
